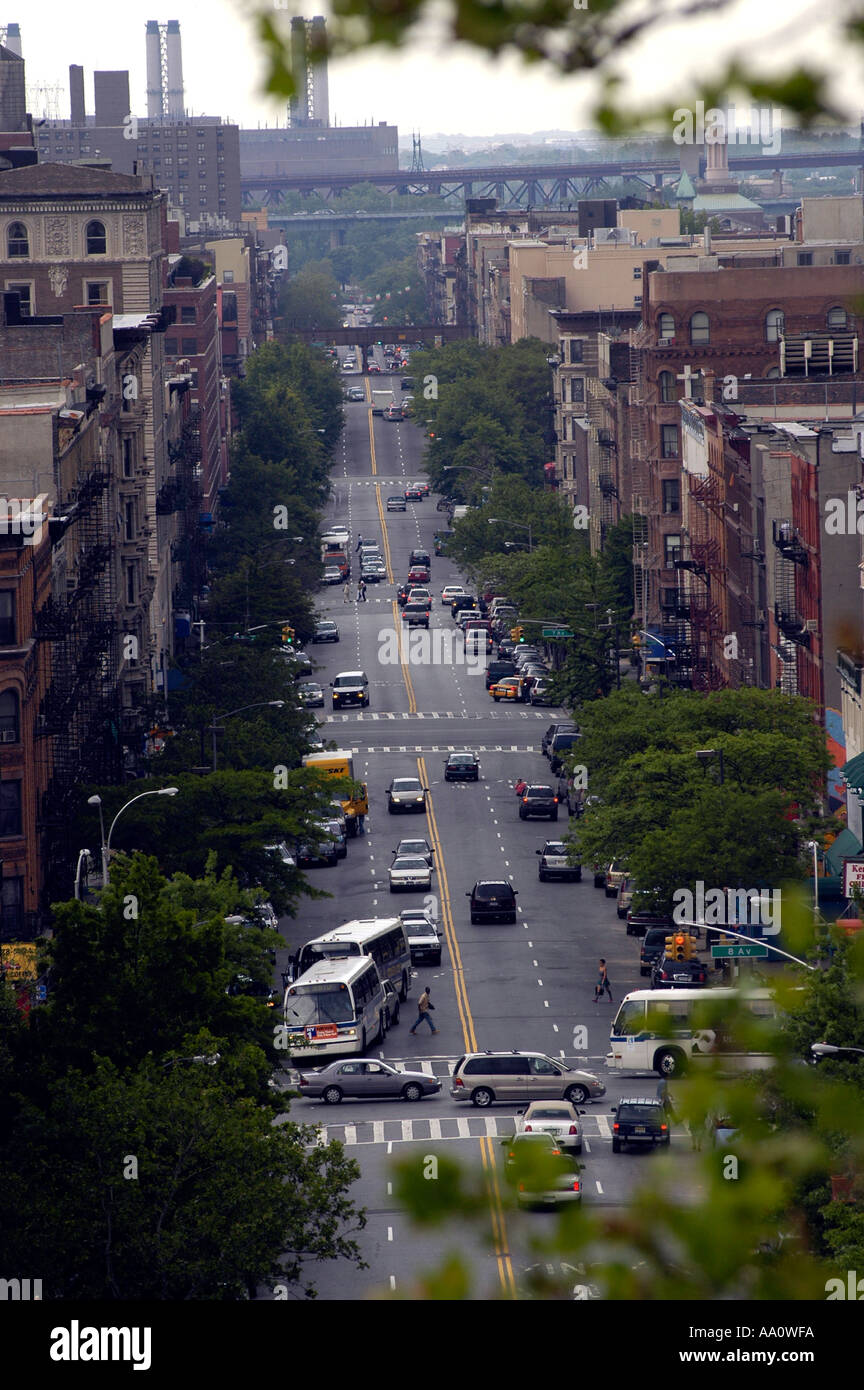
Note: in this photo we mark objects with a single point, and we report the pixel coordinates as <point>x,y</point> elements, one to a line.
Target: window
<point>202,202</point>
<point>10,808</point>
<point>95,239</point>
<point>130,520</point>
<point>131,586</point>
<point>187,313</point>
<point>182,145</point>
<point>772,373</point>
<point>671,550</point>
<point>637,272</point>
<point>17,241</point>
<point>700,331</point>
<point>171,347</point>
<point>228,277</point>
<point>774,322</point>
<point>23,292</point>
<point>97,292</point>
<point>189,345</point>
<point>169,159</point>
<point>837,317</point>
<point>9,717</point>
<point>574,390</point>
<point>671,495</point>
<point>669,441</point>
<point>575,353</point>
<point>666,385</point>
<point>8,636</point>
<point>805,257</point>
<point>665,328</point>
<point>202,159</point>
<point>841,257</point>
<point>540,1066</point>
<point>201,145</point>
<point>12,907</point>
<point>128,456</point>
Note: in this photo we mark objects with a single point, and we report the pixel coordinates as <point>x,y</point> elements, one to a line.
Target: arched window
<point>837,317</point>
<point>9,731</point>
<point>700,329</point>
<point>665,327</point>
<point>17,241</point>
<point>95,239</point>
<point>666,383</point>
<point>772,373</point>
<point>774,325</point>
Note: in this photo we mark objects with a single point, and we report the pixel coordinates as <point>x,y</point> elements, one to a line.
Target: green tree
<point>309,300</point>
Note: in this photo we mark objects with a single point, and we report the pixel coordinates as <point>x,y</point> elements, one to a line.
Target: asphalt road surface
<point>500,987</point>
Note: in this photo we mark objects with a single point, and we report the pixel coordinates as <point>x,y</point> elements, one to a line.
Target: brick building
<point>193,345</point>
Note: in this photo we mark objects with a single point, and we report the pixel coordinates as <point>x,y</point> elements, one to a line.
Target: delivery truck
<point>354,797</point>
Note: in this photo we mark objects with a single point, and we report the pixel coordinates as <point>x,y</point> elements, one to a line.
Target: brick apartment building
<point>193,345</point>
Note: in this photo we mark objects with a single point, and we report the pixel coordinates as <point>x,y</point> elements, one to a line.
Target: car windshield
<point>549,1112</point>
<point>418,927</point>
<point>555,847</point>
<point>341,681</point>
<point>406,784</point>
<point>318,1004</point>
<point>462,758</point>
<point>539,791</point>
<point>410,861</point>
<point>413,847</point>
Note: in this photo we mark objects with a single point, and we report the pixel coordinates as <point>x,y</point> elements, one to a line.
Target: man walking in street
<point>424,1004</point>
<point>346,592</point>
<point>359,542</point>
<point>603,986</point>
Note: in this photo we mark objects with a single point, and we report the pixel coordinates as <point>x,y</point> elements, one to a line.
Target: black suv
<point>497,670</point>
<point>550,734</point>
<point>639,1120</point>
<point>492,902</point>
<point>538,801</point>
<point>669,973</point>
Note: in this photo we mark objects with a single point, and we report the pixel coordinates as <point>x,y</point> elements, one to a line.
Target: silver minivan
<point>486,1077</point>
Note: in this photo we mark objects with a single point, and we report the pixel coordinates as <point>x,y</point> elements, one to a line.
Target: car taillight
<point>524,798</point>
<point>303,1081</point>
<point>457,1081</point>
<point>555,799</point>
<point>529,1129</point>
<point>572,1130</point>
<point>616,1125</point>
<point>662,1127</point>
<point>576,1185</point>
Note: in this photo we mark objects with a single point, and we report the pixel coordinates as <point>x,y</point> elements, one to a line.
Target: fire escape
<point>790,560</point>
<point>705,563</point>
<point>643,560</point>
<point>78,722</point>
<point>182,493</point>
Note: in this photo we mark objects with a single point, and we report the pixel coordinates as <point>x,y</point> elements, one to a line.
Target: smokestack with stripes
<point>317,51</point>
<point>155,105</point>
<point>310,105</point>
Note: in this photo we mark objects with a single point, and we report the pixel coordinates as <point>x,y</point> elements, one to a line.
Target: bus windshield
<point>318,1004</point>
<point>316,951</point>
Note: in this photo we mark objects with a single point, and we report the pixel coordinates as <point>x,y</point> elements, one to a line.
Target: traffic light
<point>288,635</point>
<point>517,634</point>
<point>670,947</point>
<point>683,946</point>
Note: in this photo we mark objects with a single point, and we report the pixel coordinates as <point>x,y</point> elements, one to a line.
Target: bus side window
<point>631,1018</point>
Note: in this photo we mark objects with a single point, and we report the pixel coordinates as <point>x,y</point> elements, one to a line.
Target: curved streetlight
<point>106,844</point>
<point>523,526</point>
<point>822,1049</point>
<point>259,704</point>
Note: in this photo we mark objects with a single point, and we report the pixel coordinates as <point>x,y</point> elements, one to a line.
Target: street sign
<point>557,632</point>
<point>738,948</point>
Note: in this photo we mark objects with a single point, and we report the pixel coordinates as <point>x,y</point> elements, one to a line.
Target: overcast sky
<point>426,88</point>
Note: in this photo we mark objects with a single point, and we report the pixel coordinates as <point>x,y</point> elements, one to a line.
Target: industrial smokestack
<point>298,109</point>
<point>174,70</point>
<point>155,106</point>
<point>13,39</point>
<point>77,109</point>
<point>317,53</point>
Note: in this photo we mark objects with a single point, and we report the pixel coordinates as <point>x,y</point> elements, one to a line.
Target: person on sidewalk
<point>424,1004</point>
<point>603,985</point>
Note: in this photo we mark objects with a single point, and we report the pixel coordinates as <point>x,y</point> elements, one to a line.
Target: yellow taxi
<point>510,688</point>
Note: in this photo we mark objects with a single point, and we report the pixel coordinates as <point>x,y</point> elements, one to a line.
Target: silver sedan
<point>365,1080</point>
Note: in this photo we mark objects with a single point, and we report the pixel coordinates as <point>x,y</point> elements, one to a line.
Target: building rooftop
<point>53,180</point>
<point>724,202</point>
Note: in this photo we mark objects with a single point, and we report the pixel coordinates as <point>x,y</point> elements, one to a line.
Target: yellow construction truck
<point>353,795</point>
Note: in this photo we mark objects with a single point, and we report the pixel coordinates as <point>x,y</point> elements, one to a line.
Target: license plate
<point>639,1129</point>
<point>680,977</point>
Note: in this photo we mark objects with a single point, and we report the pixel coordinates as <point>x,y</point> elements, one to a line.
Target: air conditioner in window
<point>8,736</point>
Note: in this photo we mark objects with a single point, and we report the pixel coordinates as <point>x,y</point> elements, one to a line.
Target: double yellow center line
<point>487,1149</point>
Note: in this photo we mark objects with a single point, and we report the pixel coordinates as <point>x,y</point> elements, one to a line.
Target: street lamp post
<point>259,704</point>
<point>84,857</point>
<point>705,756</point>
<point>822,1049</point>
<point>523,526</point>
<point>813,845</point>
<point>106,843</point>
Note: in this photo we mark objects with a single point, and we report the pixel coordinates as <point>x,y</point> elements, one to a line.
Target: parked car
<point>498,670</point>
<point>325,631</point>
<point>615,875</point>
<point>639,1120</point>
<point>651,948</point>
<point>462,767</point>
<point>311,694</point>
<point>406,794</point>
<point>625,896</point>
<point>560,746</point>
<point>492,900</point>
<point>555,863</point>
<point>538,800</point>
<point>365,1079</point>
<point>550,733</point>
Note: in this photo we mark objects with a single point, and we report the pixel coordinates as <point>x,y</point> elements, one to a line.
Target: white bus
<point>382,938</point>
<point>335,1008</point>
<point>661,1030</point>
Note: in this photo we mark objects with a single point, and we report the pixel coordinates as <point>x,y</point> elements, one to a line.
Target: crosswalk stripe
<point>407,1126</point>
<point>434,1129</point>
<point>350,1134</point>
<point>464,1131</point>
<point>426,1068</point>
<point>377,1131</point>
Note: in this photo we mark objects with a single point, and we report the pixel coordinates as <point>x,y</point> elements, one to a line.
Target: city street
<point>498,986</point>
